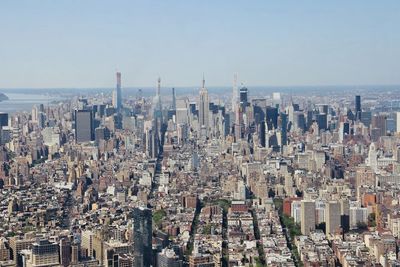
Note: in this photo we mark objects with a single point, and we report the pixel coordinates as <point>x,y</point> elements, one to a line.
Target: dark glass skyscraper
<point>243,97</point>
<point>142,236</point>
<point>284,122</point>
<point>261,133</point>
<point>322,121</point>
<point>358,107</point>
<point>3,119</point>
<point>272,117</point>
<point>84,127</point>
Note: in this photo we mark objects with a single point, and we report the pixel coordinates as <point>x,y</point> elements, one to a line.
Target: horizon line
<point>195,86</point>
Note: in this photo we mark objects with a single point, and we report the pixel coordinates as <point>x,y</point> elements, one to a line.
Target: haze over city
<point>77,44</point>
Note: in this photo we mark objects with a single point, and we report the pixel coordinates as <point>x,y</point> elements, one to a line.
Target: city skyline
<point>80,45</point>
<point>199,134</point>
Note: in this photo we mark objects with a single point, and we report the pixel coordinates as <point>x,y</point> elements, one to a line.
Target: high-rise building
<point>142,237</point>
<point>322,121</point>
<point>3,119</point>
<point>87,242</point>
<point>244,97</point>
<point>65,251</point>
<point>234,93</point>
<point>204,110</point>
<point>173,99</point>
<point>157,100</point>
<point>84,128</point>
<point>261,134</point>
<point>271,114</point>
<point>182,111</point>
<point>151,140</point>
<point>344,129</point>
<point>17,244</point>
<point>259,111</point>
<point>4,250</point>
<point>284,123</point>
<point>167,258</point>
<point>44,253</point>
<point>366,118</point>
<point>276,98</point>
<point>74,253</point>
<point>307,215</point>
<point>332,217</point>
<point>358,107</point>
<point>378,123</point>
<point>398,122</point>
<point>239,124</point>
<point>344,215</point>
<point>322,108</point>
<point>299,121</point>
<point>117,96</point>
<point>358,215</point>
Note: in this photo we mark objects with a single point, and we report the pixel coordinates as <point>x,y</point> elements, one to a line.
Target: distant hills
<point>3,97</point>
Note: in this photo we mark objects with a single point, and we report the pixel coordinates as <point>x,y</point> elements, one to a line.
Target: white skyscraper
<point>182,111</point>
<point>203,111</point>
<point>398,122</point>
<point>117,94</point>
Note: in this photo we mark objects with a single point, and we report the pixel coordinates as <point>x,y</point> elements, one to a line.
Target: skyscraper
<point>234,93</point>
<point>117,96</point>
<point>84,130</point>
<point>398,122</point>
<point>322,121</point>
<point>158,96</point>
<point>182,111</point>
<point>261,133</point>
<point>151,142</point>
<point>65,251</point>
<point>307,215</point>
<point>203,110</point>
<point>284,123</point>
<point>157,105</point>
<point>244,97</point>
<point>239,125</point>
<point>378,124</point>
<point>142,234</point>
<point>332,219</point>
<point>358,107</point>
<point>3,119</point>
<point>173,99</point>
<point>44,253</point>
<point>271,117</point>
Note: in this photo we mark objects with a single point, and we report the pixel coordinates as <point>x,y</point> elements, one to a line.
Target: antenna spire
<point>159,86</point>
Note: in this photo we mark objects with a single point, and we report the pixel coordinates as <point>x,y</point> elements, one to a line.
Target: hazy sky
<point>51,43</point>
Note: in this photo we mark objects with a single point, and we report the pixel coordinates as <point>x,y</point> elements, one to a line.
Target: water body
<point>24,102</point>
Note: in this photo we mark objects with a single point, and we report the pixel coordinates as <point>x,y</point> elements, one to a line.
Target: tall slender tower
<point>159,86</point>
<point>157,100</point>
<point>234,93</point>
<point>203,110</point>
<point>173,99</point>
<point>158,95</point>
<point>117,96</point>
